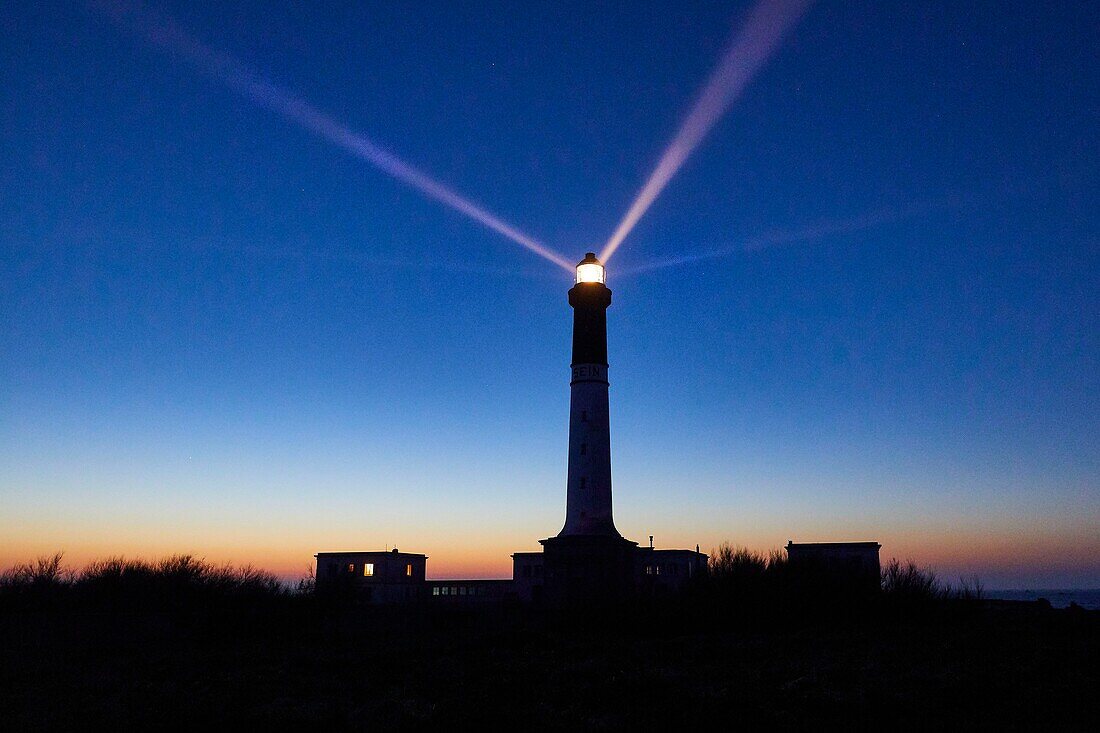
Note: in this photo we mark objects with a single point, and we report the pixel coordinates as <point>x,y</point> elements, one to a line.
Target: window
<point>409,570</point>
<point>368,569</point>
<point>446,590</point>
<point>351,567</point>
<point>584,449</point>
<point>527,571</point>
<point>435,590</point>
<point>462,590</point>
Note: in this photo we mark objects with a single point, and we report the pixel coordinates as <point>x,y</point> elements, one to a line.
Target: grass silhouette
<point>181,642</point>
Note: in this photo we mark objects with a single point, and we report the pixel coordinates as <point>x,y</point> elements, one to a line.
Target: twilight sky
<point>867,307</point>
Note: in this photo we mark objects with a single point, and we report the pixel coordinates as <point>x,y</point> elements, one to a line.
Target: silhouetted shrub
<point>178,582</point>
<point>41,579</point>
<point>729,563</point>
<point>777,560</point>
<point>746,583</point>
<point>41,572</point>
<point>969,589</point>
<point>307,584</point>
<point>908,582</point>
<point>116,577</point>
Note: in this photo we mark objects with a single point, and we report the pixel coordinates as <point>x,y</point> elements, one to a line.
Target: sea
<point>1059,598</point>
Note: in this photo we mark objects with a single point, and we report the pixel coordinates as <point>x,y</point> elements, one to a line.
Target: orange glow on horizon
<point>990,554</point>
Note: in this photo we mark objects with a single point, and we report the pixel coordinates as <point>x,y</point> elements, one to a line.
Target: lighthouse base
<point>587,570</point>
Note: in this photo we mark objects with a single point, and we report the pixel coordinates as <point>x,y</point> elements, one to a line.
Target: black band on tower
<point>590,302</point>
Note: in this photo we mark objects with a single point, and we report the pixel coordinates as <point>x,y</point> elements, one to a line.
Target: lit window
<point>435,590</point>
<point>409,570</point>
<point>454,591</point>
<point>368,569</point>
<point>446,590</point>
<point>351,567</point>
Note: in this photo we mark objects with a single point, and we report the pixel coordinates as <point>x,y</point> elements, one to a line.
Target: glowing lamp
<point>589,270</point>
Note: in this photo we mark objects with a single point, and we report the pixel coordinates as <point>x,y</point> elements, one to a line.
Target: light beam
<point>247,82</point>
<point>749,49</point>
<point>808,233</point>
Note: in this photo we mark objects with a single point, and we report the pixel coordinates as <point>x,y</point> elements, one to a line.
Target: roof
<point>376,553</point>
<point>837,545</point>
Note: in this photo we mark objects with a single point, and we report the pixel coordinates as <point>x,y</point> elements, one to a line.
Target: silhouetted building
<point>469,592</point>
<point>665,572</point>
<point>527,576</point>
<point>374,577</point>
<point>847,564</point>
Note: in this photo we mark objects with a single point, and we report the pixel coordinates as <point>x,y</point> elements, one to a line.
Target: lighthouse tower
<point>588,492</point>
<point>588,560</point>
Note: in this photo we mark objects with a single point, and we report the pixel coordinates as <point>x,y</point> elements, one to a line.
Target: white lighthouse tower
<point>588,492</point>
<point>588,560</point>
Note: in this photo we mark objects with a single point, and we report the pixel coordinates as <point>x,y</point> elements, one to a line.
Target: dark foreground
<point>297,662</point>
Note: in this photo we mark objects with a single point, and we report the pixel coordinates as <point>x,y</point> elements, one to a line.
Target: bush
<point>43,575</point>
<point>731,564</point>
<point>908,582</point>
<point>173,582</point>
<point>970,589</point>
<point>307,584</point>
<point>744,581</point>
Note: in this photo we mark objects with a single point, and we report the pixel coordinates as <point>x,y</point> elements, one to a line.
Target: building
<point>849,564</point>
<point>470,592</point>
<point>374,577</point>
<point>660,573</point>
<point>527,576</point>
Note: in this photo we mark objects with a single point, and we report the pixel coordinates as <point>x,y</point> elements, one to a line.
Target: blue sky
<point>223,334</point>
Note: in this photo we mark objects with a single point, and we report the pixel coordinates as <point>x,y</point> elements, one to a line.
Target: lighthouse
<point>588,564</point>
<point>588,560</point>
<point>588,484</point>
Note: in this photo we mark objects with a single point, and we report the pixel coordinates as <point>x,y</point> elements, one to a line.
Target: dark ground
<point>296,663</point>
